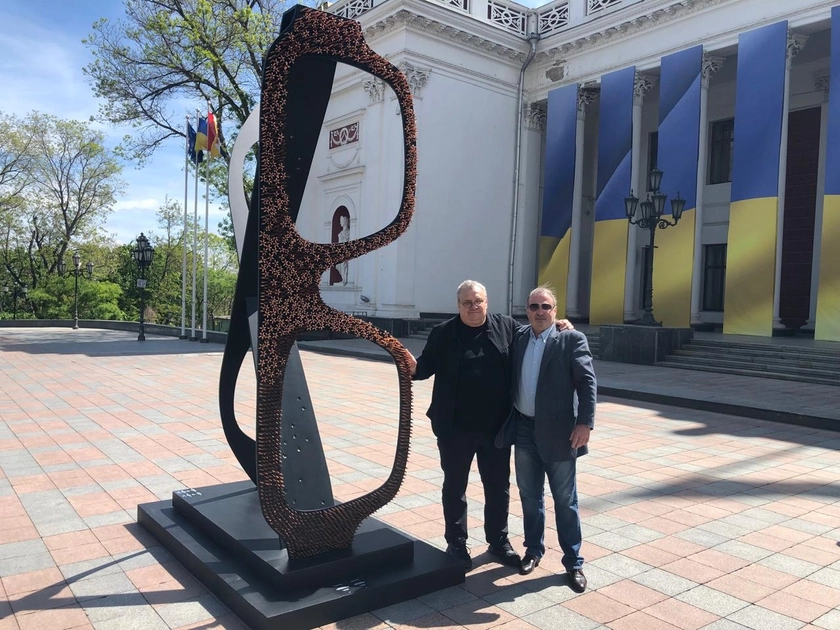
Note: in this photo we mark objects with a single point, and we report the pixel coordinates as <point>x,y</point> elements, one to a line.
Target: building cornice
<point>437,20</point>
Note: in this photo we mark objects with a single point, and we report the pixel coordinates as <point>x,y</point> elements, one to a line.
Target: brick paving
<point>691,519</point>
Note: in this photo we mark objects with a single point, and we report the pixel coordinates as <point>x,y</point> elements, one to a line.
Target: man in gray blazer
<point>554,391</point>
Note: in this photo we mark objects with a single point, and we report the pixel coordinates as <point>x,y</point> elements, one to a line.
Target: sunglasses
<point>535,307</point>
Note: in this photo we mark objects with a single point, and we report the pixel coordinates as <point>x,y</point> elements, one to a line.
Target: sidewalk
<point>804,404</point>
<point>692,520</point>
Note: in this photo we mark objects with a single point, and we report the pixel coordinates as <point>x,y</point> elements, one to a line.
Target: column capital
<point>822,81</point>
<point>417,78</point>
<point>795,44</point>
<point>375,89</point>
<point>585,97</point>
<point>535,114</point>
<point>641,85</point>
<point>710,66</point>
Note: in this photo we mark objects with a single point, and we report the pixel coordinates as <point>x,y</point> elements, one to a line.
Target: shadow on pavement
<point>92,342</point>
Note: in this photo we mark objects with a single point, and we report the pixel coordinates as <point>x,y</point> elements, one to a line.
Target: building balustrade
<point>548,19</point>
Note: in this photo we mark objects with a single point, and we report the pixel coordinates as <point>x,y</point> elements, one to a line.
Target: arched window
<point>340,233</point>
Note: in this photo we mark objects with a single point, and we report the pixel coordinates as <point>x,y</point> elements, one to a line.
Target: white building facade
<point>485,75</point>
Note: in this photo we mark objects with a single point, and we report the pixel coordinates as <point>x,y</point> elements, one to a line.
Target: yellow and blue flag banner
<point>558,191</point>
<point>828,291</point>
<point>615,145</point>
<point>753,210</point>
<point>678,153</point>
<point>195,156</point>
<point>201,135</point>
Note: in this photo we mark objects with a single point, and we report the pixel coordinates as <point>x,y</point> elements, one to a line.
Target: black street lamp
<point>76,271</point>
<point>143,255</point>
<point>16,293</point>
<point>651,218</point>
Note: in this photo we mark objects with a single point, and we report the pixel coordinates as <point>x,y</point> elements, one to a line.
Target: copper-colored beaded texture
<point>290,269</point>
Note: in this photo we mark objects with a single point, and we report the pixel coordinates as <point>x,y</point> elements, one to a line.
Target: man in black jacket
<point>470,358</point>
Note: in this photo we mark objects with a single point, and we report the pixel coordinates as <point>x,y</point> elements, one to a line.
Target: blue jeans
<point>531,472</point>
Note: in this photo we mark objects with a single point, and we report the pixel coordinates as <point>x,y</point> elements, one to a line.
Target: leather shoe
<point>577,580</point>
<point>505,553</point>
<point>529,563</point>
<point>460,553</point>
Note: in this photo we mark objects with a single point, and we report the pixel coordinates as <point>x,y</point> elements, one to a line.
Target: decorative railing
<point>511,16</point>
<point>508,16</point>
<point>552,19</point>
<point>594,6</point>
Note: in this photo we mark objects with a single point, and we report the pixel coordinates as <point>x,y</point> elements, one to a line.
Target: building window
<point>720,151</point>
<point>714,276</point>
<point>653,155</point>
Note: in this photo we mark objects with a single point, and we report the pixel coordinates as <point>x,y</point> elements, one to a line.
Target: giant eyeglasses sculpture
<point>277,290</point>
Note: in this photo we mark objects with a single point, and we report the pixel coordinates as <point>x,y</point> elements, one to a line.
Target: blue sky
<point>41,61</point>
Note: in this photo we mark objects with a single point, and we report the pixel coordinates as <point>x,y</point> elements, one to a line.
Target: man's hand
<point>580,435</point>
<point>564,324</point>
<point>412,362</point>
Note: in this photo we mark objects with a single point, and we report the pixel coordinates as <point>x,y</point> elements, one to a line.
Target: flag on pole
<point>196,156</point>
<point>201,135</point>
<point>212,136</point>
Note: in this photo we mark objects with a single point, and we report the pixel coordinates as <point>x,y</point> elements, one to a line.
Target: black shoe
<point>459,552</point>
<point>577,580</point>
<point>529,563</point>
<point>505,554</point>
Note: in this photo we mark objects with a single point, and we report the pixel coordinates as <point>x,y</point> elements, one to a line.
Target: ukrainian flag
<point>828,291</point>
<point>753,210</point>
<point>615,145</point>
<point>678,153</point>
<point>201,135</point>
<point>558,194</point>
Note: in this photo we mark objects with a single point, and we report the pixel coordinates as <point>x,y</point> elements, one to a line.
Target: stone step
<point>745,372</point>
<point>779,360</point>
<point>796,373</point>
<point>766,348</point>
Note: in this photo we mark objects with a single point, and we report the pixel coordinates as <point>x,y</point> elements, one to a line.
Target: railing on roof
<point>548,19</point>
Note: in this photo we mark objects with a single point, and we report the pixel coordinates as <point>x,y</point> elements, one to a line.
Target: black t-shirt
<point>482,387</point>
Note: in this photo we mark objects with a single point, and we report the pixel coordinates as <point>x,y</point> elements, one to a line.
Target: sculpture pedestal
<point>219,534</point>
<point>645,345</point>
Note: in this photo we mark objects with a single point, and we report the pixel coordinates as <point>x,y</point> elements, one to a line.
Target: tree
<point>169,51</point>
<point>68,184</point>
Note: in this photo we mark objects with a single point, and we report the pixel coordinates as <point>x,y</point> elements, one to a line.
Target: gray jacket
<point>566,393</point>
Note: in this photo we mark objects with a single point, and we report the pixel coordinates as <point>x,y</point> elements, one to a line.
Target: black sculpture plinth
<point>219,534</point>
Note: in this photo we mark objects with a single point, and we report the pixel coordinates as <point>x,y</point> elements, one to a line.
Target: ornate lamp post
<point>651,218</point>
<point>143,255</point>
<point>76,271</point>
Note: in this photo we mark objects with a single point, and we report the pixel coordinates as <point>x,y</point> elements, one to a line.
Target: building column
<point>631,290</point>
<point>795,43</point>
<point>585,98</point>
<point>822,83</point>
<point>710,66</point>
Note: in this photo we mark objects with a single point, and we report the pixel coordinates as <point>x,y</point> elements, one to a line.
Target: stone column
<point>710,66</point>
<point>795,44</point>
<point>822,83</point>
<point>585,98</point>
<point>631,289</point>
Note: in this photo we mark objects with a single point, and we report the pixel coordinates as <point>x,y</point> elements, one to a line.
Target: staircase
<point>805,364</point>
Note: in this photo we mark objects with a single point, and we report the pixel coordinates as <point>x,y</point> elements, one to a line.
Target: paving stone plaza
<point>691,519</point>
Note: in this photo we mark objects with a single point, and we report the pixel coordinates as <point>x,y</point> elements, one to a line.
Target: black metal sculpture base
<point>219,534</point>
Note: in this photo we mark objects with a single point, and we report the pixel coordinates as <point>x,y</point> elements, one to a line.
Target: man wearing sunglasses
<point>469,356</point>
<point>554,391</point>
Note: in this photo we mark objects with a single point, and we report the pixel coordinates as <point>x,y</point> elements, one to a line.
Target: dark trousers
<point>456,455</point>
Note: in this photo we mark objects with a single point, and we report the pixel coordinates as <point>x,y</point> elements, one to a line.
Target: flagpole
<point>193,337</point>
<point>206,223</point>
<point>184,235</point>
